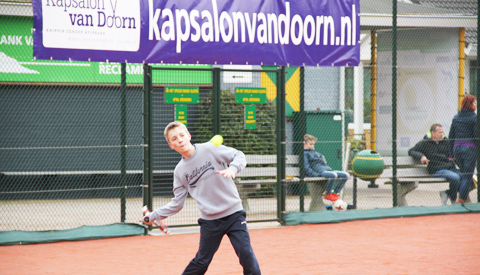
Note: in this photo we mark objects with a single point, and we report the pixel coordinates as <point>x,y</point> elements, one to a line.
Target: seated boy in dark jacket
<point>316,166</point>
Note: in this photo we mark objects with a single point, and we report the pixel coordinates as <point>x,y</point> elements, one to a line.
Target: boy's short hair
<point>308,138</point>
<point>171,126</point>
<point>433,128</point>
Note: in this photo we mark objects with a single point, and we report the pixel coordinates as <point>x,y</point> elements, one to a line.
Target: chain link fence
<point>61,145</point>
<point>71,137</point>
<point>254,136</point>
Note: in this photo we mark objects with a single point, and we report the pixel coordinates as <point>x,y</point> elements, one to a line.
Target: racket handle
<point>160,225</point>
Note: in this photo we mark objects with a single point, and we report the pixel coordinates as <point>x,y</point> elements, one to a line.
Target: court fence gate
<point>246,107</point>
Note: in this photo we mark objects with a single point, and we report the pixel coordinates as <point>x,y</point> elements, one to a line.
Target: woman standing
<point>463,143</point>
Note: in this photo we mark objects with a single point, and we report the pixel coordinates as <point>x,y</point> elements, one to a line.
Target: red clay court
<point>441,244</point>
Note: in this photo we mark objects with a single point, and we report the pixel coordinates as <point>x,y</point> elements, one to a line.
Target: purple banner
<point>270,33</point>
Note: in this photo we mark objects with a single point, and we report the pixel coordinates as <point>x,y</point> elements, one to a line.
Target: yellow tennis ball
<point>217,140</point>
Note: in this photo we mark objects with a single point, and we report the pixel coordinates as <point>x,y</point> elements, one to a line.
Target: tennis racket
<point>159,224</point>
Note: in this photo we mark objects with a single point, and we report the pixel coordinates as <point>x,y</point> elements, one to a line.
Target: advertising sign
<point>18,65</point>
<point>182,95</point>
<point>250,95</point>
<point>181,113</point>
<point>250,117</point>
<point>271,32</point>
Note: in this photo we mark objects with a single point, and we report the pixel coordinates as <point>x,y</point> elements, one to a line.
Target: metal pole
<point>394,102</point>
<point>461,67</point>
<point>123,137</point>
<point>302,126</point>
<point>283,144</point>
<point>355,190</point>
<point>147,136</point>
<point>373,93</point>
<point>281,139</point>
<point>216,102</point>
<point>150,140</point>
<point>478,107</point>
<point>147,76</point>
<point>358,99</point>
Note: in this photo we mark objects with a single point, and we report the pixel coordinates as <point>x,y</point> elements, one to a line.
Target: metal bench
<point>410,174</point>
<point>251,178</point>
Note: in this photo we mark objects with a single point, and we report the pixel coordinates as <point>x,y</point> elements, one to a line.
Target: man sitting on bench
<point>433,151</point>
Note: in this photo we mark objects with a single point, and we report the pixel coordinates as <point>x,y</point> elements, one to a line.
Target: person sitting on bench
<point>316,166</point>
<point>433,151</point>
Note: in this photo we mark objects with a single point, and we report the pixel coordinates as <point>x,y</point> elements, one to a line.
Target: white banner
<point>112,25</point>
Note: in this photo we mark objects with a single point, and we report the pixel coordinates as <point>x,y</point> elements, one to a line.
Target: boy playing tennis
<point>206,172</point>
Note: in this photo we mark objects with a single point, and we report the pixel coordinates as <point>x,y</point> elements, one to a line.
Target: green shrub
<point>261,141</point>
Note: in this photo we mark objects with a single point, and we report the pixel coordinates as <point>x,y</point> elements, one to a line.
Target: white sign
<point>427,84</point>
<point>238,76</point>
<point>112,25</point>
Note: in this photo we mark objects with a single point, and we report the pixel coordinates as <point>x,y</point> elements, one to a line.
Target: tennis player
<point>206,172</point>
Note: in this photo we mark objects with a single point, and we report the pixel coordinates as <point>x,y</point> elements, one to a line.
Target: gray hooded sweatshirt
<point>216,195</point>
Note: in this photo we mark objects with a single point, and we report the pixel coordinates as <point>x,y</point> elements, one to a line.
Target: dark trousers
<point>466,159</point>
<point>211,235</point>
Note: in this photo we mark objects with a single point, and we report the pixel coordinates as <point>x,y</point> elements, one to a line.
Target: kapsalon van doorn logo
<point>112,25</point>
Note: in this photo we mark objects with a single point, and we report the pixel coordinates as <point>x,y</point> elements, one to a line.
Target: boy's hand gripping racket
<point>160,224</point>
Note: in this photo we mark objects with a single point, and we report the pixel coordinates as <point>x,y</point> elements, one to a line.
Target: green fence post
<point>478,107</point>
<point>150,140</point>
<point>302,129</point>
<point>394,103</point>
<point>123,136</point>
<point>281,139</point>
<point>216,102</point>
<point>146,168</point>
<point>147,136</point>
